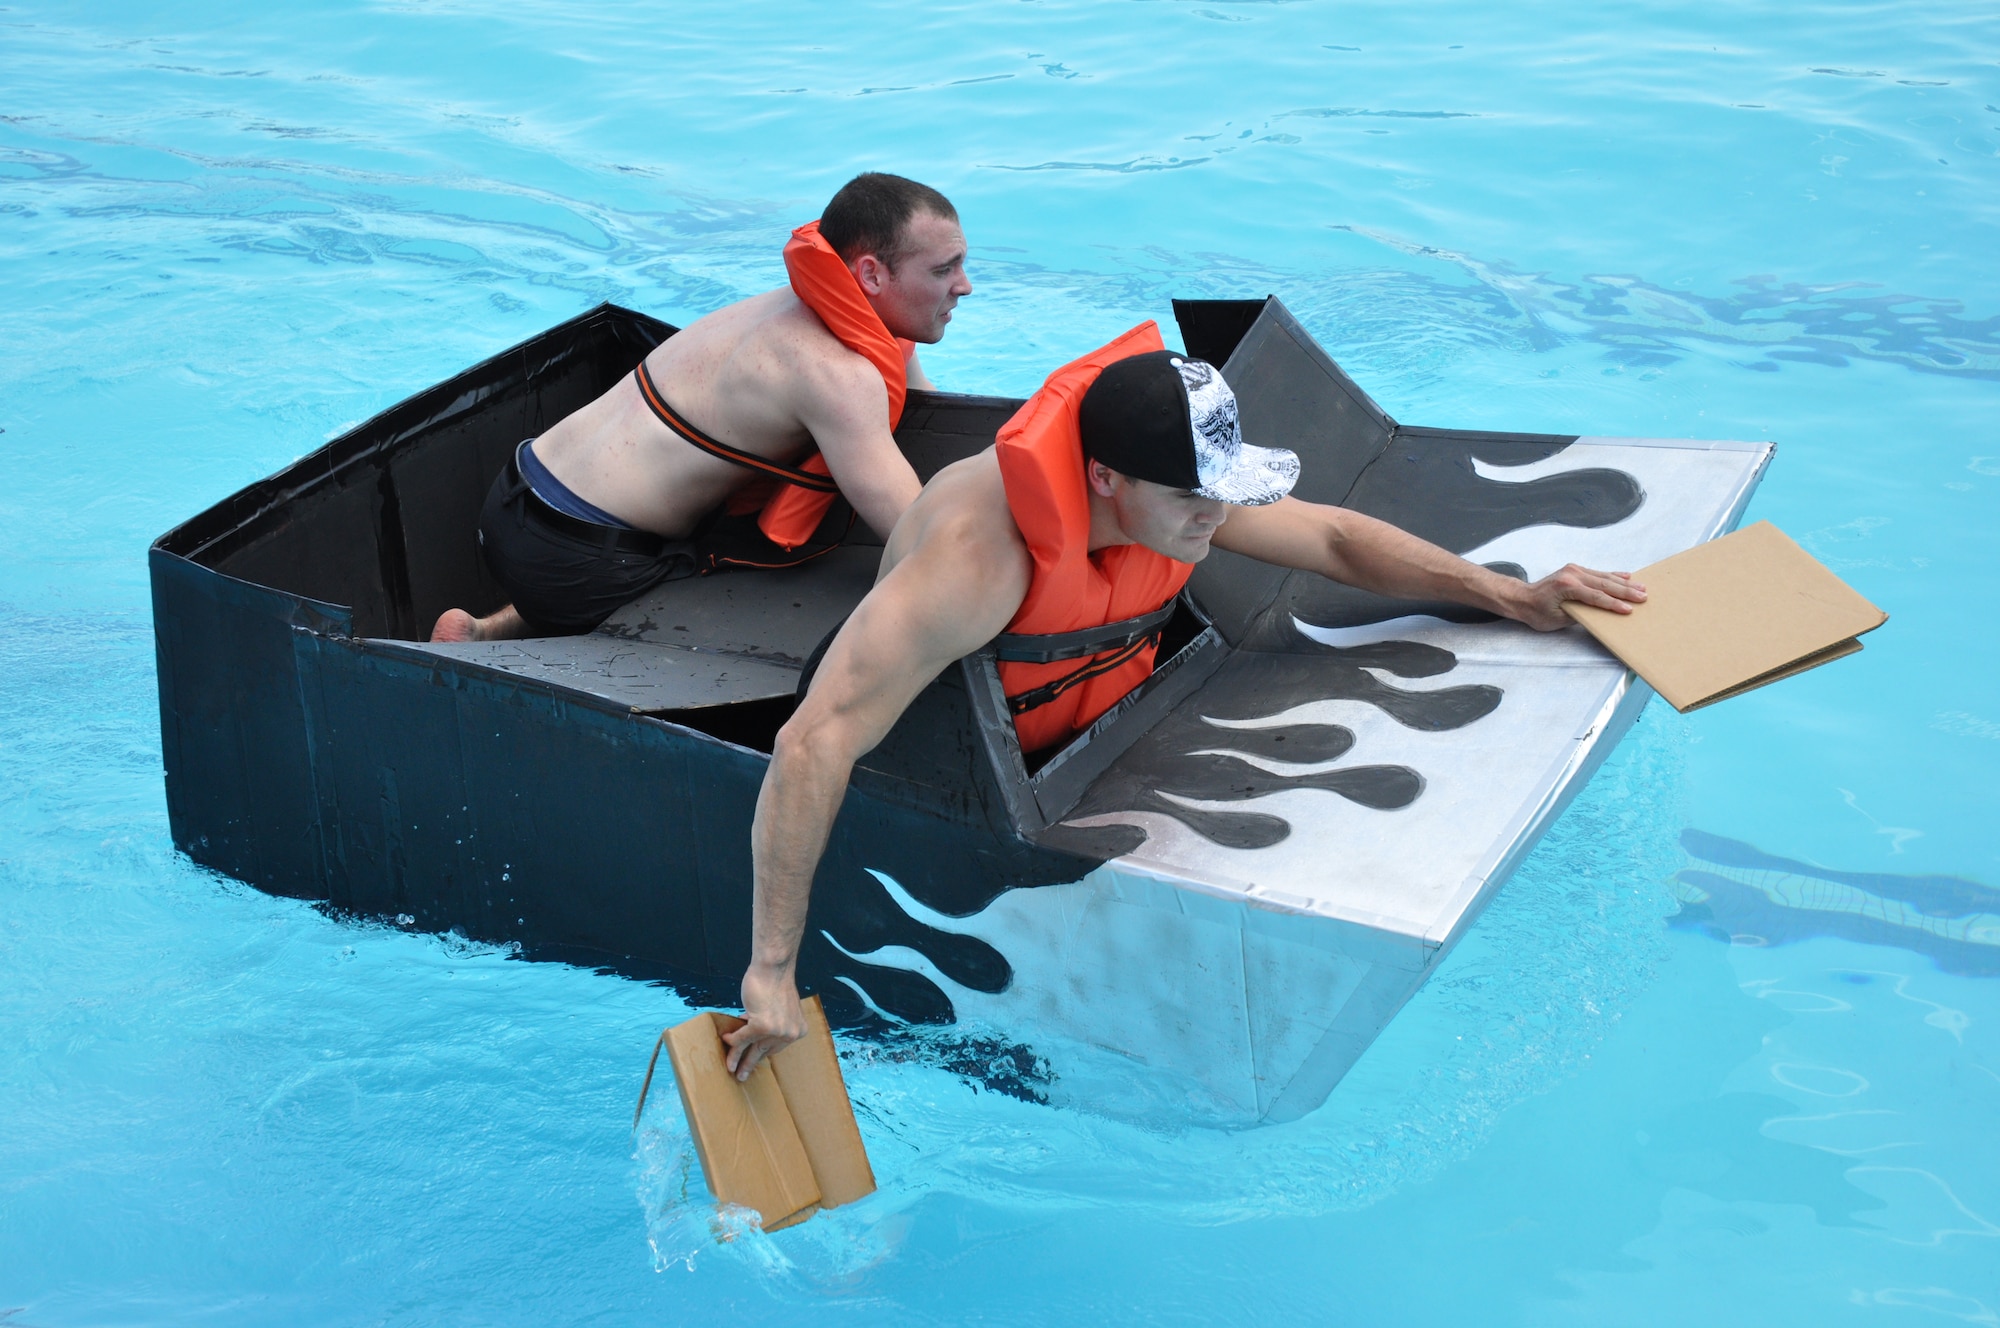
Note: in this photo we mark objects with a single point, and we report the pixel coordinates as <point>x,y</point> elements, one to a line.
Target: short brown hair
<point>871,215</point>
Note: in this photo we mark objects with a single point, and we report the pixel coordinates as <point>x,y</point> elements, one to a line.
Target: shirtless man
<point>1133,449</point>
<point>602,506</point>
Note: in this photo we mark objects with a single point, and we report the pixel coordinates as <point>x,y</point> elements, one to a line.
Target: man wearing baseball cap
<point>1064,545</point>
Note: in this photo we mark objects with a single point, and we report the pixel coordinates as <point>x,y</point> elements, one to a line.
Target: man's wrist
<point>1505,596</point>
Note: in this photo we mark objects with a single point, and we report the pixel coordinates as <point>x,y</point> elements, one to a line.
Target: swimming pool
<point>1725,1047</point>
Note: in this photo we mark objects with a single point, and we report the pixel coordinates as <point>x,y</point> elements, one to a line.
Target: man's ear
<point>871,273</point>
<point>1103,479</point>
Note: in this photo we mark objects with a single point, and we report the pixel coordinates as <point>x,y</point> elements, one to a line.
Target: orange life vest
<point>829,289</point>
<point>1041,462</point>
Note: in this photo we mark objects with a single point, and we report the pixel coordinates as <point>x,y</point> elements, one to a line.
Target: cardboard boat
<point>1236,877</point>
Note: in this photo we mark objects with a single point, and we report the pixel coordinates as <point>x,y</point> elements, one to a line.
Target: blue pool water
<point>1748,1074</point>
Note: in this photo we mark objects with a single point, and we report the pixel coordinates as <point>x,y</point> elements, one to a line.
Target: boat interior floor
<point>696,643</point>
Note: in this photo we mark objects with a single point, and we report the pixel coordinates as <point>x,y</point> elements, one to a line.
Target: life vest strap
<point>1036,697</point>
<point>1124,639</point>
<point>722,451</point>
<point>1050,647</point>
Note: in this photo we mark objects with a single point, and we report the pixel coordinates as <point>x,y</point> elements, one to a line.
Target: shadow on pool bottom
<point>1737,893</point>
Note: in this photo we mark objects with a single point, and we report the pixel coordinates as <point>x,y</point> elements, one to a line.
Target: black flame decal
<point>1198,755</point>
<point>1190,756</point>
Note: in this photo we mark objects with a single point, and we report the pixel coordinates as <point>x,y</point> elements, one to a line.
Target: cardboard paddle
<point>1732,615</point>
<point>784,1142</point>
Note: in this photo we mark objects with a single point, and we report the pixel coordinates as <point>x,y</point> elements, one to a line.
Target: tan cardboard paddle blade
<point>1731,615</point>
<point>809,1073</point>
<point>743,1133</point>
<point>783,1143</point>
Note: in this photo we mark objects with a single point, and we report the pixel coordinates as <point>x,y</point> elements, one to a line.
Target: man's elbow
<point>1336,562</point>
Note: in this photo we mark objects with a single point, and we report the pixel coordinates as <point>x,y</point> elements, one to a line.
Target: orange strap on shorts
<point>829,289</point>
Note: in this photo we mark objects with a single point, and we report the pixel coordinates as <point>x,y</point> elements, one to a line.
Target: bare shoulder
<point>953,577</point>
<point>962,515</point>
<point>769,360</point>
<point>956,569</point>
<point>821,367</point>
<point>956,561</point>
<point>723,330</point>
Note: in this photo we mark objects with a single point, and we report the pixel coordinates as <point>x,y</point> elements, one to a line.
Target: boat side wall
<point>420,788</point>
<point>464,799</point>
<point>233,726</point>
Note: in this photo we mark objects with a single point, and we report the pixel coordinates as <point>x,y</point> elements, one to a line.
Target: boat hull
<point>1235,880</point>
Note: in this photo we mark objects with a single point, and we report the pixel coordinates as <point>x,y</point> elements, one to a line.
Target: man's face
<point>915,299</point>
<point>1169,521</point>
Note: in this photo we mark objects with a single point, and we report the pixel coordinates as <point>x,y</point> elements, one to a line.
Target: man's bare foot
<point>458,625</point>
<point>455,625</point>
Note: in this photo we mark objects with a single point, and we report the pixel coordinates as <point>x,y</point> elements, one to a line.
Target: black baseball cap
<point>1165,417</point>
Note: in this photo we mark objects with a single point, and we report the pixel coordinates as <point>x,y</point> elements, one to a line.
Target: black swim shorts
<point>566,575</point>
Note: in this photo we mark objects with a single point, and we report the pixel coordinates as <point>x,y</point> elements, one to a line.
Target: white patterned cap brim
<point>1231,470</point>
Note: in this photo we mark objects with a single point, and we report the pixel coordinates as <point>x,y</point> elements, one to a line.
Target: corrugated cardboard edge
<point>809,1073</point>
<point>749,1148</point>
<point>1838,650</point>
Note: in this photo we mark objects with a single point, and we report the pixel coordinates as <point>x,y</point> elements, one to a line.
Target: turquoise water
<point>1658,1084</point>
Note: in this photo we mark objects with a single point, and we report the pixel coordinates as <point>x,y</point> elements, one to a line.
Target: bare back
<point>763,378</point>
<point>763,375</point>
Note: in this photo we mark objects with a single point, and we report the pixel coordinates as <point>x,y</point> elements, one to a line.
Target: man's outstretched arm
<point>1374,555</point>
<point>955,589</point>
